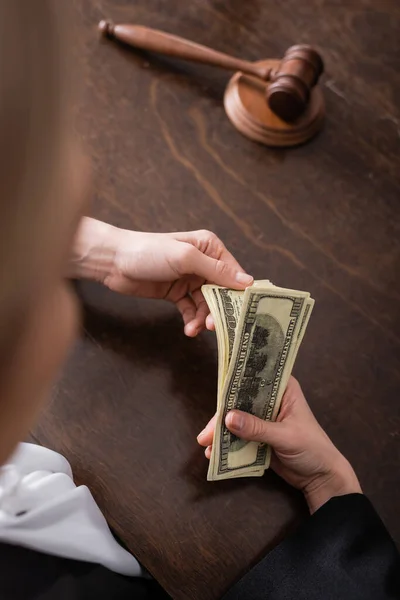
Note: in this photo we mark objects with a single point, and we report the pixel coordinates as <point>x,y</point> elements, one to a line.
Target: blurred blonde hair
<point>32,111</point>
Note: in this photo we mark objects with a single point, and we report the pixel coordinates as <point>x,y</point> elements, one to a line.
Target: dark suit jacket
<point>342,552</point>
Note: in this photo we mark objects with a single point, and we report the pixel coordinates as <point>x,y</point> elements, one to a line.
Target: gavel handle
<point>172,45</point>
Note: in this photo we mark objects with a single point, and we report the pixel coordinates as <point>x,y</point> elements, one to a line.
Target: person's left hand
<point>171,266</point>
<point>174,266</point>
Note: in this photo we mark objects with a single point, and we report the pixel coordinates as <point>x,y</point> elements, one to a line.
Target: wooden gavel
<point>290,84</point>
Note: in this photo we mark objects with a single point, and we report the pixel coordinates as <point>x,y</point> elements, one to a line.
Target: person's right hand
<point>303,455</point>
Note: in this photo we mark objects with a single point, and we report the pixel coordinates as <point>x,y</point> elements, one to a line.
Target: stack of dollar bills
<point>259,332</point>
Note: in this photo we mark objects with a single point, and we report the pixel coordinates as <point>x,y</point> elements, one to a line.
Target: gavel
<point>290,83</point>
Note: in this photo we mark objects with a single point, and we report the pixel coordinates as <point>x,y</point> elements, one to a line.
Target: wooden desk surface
<point>323,217</point>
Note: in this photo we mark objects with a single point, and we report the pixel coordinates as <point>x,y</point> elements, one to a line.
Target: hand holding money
<point>259,332</point>
<point>303,455</point>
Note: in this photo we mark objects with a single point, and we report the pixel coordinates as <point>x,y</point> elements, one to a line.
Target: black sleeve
<point>29,575</point>
<point>342,552</point>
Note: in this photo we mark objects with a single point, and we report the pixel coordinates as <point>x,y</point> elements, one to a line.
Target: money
<point>259,332</point>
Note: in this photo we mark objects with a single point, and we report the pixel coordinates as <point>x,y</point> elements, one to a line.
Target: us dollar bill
<point>259,332</point>
<point>225,306</point>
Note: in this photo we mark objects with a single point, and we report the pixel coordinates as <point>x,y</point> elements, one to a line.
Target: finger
<point>210,323</point>
<point>202,310</point>
<point>205,437</point>
<point>214,270</point>
<point>187,309</point>
<point>251,428</point>
<point>191,329</point>
<point>208,451</point>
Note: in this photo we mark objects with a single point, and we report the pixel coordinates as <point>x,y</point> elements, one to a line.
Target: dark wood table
<point>323,217</point>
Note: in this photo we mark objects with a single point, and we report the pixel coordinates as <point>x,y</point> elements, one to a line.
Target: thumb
<point>251,428</point>
<point>217,271</point>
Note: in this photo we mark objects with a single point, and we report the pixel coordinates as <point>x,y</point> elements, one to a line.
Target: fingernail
<point>235,421</point>
<point>201,434</point>
<point>244,278</point>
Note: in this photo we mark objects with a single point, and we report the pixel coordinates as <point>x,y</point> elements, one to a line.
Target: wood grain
<point>323,217</point>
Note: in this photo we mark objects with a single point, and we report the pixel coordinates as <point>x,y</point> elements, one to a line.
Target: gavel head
<point>291,83</point>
